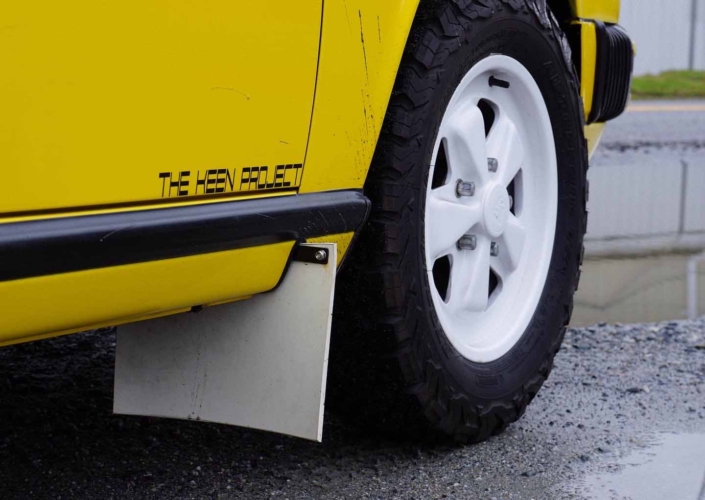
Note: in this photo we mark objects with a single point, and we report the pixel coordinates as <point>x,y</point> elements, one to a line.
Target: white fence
<point>667,34</point>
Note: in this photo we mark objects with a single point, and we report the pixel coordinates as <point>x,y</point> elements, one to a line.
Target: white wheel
<point>491,208</point>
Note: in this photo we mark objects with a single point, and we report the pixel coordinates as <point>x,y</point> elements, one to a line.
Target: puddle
<point>635,290</point>
<point>674,468</point>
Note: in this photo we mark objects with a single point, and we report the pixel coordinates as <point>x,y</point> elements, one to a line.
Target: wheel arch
<point>362,42</point>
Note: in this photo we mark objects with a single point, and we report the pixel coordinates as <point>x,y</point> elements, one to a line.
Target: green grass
<point>669,84</point>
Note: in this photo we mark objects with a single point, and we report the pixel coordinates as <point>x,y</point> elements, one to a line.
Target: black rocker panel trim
<point>67,244</point>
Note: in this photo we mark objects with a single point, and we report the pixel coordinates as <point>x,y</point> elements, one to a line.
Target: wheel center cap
<point>496,211</point>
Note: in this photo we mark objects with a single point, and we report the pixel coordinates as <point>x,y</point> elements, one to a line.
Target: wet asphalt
<point>613,390</point>
<point>655,137</point>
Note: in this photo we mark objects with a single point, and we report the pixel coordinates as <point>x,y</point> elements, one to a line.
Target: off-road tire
<point>387,336</point>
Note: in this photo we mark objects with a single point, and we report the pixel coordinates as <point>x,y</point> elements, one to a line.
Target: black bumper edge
<point>613,73</point>
<point>61,245</point>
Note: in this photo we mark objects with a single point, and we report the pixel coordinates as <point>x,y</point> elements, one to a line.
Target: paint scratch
<point>231,89</point>
<point>116,231</point>
<point>379,30</point>
<point>347,16</point>
<point>364,51</point>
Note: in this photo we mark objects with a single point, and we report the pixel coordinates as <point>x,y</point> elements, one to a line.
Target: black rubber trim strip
<point>613,72</point>
<point>67,244</point>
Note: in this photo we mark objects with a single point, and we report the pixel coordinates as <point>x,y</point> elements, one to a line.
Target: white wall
<point>661,29</point>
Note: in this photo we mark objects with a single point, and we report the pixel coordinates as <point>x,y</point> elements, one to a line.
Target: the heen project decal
<point>223,180</point>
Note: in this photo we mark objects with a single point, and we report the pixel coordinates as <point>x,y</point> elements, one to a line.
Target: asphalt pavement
<point>657,123</point>
<point>616,392</point>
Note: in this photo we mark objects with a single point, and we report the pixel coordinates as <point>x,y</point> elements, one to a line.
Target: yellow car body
<point>125,126</point>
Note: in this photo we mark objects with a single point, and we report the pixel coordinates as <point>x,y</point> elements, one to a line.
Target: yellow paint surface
<point>588,62</point>
<point>66,303</point>
<point>98,98</point>
<point>362,43</point>
<point>603,10</point>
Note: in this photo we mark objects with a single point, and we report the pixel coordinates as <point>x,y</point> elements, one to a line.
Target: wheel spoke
<point>470,277</point>
<point>447,219</point>
<point>504,144</point>
<point>464,132</point>
<point>511,245</point>
<point>447,192</point>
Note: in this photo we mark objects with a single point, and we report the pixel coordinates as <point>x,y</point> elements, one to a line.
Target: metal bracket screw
<point>321,255</point>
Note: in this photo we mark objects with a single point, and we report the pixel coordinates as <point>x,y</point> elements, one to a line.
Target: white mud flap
<point>259,363</point>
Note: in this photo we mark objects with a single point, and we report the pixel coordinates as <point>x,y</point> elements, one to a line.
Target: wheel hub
<point>495,210</point>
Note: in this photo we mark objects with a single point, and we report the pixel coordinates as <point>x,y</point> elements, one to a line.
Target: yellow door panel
<point>134,101</point>
<point>64,303</point>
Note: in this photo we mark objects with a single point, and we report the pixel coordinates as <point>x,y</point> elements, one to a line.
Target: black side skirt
<point>68,244</point>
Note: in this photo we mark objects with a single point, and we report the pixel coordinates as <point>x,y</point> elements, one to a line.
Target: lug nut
<point>494,249</point>
<point>463,188</point>
<point>320,255</point>
<point>492,164</point>
<point>467,242</point>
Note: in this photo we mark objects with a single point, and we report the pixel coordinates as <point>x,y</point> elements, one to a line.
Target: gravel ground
<point>612,388</point>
